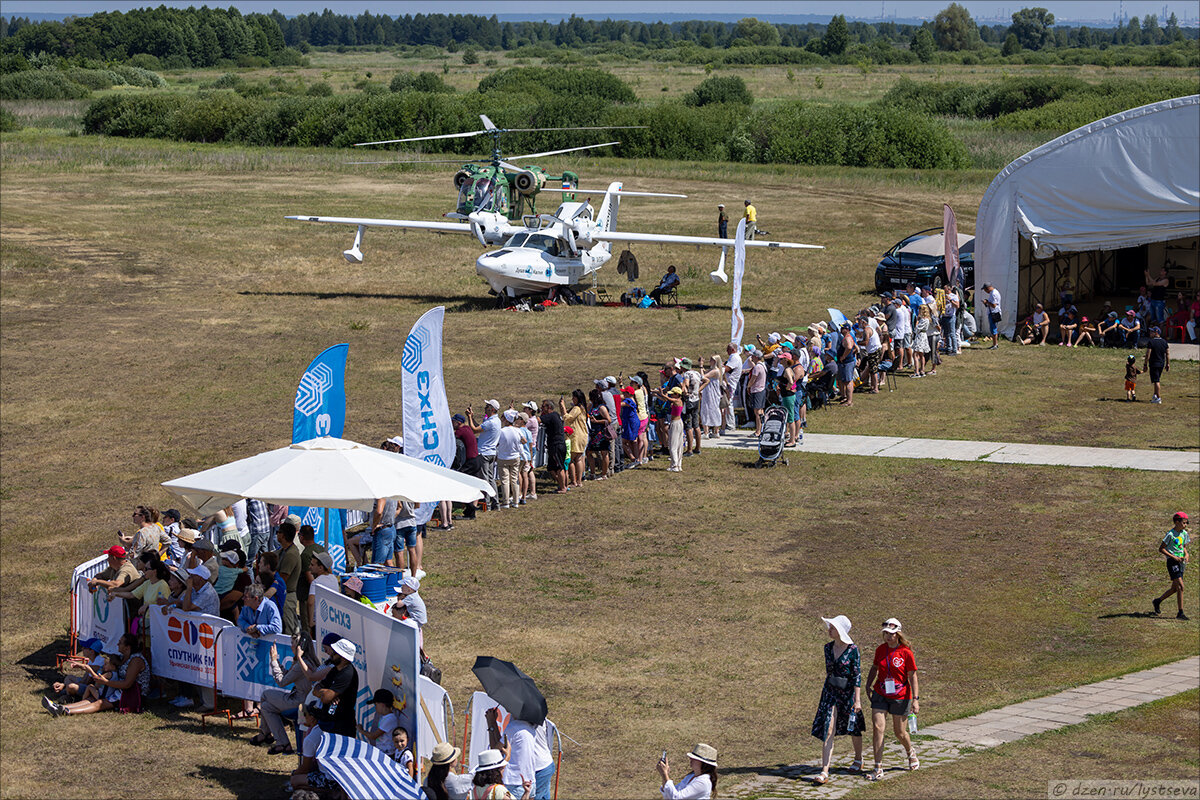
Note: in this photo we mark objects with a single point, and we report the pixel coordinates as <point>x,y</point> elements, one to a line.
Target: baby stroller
<point>770,441</point>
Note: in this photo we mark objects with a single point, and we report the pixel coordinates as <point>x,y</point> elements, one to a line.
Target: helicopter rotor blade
<point>567,150</point>
<point>463,160</point>
<point>581,128</point>
<point>487,123</point>
<point>424,138</point>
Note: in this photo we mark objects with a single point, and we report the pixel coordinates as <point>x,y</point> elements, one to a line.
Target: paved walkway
<point>987,452</point>
<point>951,741</point>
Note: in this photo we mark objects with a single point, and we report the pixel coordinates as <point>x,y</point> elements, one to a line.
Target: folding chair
<point>888,370</point>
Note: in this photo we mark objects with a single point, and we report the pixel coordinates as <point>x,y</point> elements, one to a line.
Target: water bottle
<point>912,723</point>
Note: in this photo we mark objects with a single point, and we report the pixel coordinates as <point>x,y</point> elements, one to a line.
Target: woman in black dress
<point>840,710</point>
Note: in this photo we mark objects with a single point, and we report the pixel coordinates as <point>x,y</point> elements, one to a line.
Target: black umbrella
<point>511,688</point>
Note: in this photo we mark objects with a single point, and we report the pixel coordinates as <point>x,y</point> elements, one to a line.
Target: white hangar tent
<point>1097,206</point>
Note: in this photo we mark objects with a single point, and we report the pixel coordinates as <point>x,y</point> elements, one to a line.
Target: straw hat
<point>444,753</point>
<point>705,754</point>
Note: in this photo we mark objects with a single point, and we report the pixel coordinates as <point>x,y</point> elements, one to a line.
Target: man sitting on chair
<point>669,283</point>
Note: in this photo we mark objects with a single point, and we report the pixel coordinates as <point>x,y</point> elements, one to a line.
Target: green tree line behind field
<point>716,121</point>
<point>182,38</point>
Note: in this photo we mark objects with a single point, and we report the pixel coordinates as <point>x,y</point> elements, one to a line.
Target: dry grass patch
<point>1155,742</point>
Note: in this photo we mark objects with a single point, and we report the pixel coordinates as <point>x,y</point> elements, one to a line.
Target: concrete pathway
<point>951,741</point>
<point>987,452</point>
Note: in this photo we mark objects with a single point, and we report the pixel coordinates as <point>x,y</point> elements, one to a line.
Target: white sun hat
<point>840,623</point>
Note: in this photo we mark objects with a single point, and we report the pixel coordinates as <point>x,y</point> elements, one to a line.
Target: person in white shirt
<point>529,755</point>
<point>488,436</point>
<point>508,457</point>
<point>872,347</point>
<point>991,301</point>
<point>902,336</point>
<point>700,783</point>
<point>733,375</point>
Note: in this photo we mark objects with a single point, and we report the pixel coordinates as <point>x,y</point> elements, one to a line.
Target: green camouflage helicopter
<point>493,195</point>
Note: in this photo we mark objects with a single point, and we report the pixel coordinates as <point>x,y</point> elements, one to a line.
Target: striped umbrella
<point>364,771</point>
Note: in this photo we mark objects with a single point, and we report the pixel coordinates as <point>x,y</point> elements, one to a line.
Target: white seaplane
<point>548,251</point>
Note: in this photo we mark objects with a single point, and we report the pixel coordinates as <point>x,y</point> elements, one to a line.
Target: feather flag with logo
<point>428,433</point>
<point>320,410</point>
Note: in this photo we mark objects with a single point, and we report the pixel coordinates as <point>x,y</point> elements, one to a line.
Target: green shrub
<point>226,81</point>
<point>8,121</point>
<point>136,76</point>
<point>419,82</point>
<point>94,78</point>
<point>13,62</point>
<point>674,130</point>
<point>135,115</point>
<point>320,90</point>
<point>1105,99</point>
<point>872,136</point>
<point>210,117</point>
<point>538,81</point>
<point>145,61</point>
<point>40,84</point>
<point>720,89</point>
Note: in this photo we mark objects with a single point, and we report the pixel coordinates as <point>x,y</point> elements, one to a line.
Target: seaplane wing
<point>661,238</point>
<point>410,224</point>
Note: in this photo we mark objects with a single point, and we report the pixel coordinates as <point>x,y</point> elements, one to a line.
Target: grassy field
<point>1156,742</point>
<point>156,310</point>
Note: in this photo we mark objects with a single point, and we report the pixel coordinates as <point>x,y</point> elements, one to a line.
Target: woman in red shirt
<point>893,682</point>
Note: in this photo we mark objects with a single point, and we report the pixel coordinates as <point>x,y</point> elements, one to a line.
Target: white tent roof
<point>1122,181</point>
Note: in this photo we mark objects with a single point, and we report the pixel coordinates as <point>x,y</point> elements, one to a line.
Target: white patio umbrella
<point>328,472</point>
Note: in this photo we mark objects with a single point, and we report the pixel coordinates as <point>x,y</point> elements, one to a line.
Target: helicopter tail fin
<point>607,216</point>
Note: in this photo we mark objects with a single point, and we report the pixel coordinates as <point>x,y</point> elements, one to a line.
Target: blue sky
<point>983,10</point>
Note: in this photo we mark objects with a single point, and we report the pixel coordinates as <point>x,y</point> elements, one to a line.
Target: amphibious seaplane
<point>550,251</point>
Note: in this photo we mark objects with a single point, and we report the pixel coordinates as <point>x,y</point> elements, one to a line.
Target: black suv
<point>920,260</point>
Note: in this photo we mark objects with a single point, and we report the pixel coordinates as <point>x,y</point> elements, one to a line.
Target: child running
<point>1174,547</point>
<point>1131,373</point>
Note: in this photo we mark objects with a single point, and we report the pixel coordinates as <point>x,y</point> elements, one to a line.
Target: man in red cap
<point>1174,547</point>
<point>118,573</point>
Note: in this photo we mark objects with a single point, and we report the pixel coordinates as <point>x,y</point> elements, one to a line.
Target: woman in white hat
<point>840,711</point>
<point>700,783</point>
<point>893,682</point>
<point>441,783</point>
<point>488,783</point>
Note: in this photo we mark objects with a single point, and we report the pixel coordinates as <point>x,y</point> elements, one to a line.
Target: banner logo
<point>434,458</point>
<point>414,349</point>
<point>312,517</point>
<point>334,616</point>
<point>99,608</point>
<point>187,632</point>
<point>313,386</point>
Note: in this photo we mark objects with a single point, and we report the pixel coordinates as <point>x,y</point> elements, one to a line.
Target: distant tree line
<point>206,37</point>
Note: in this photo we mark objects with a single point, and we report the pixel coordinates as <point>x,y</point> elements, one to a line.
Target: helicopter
<point>548,252</point>
<point>500,192</point>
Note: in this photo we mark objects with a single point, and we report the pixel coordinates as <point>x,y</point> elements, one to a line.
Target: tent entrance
<point>1095,274</point>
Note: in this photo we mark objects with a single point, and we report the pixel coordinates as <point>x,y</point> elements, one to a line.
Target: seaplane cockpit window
<point>518,240</point>
<point>542,242</point>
